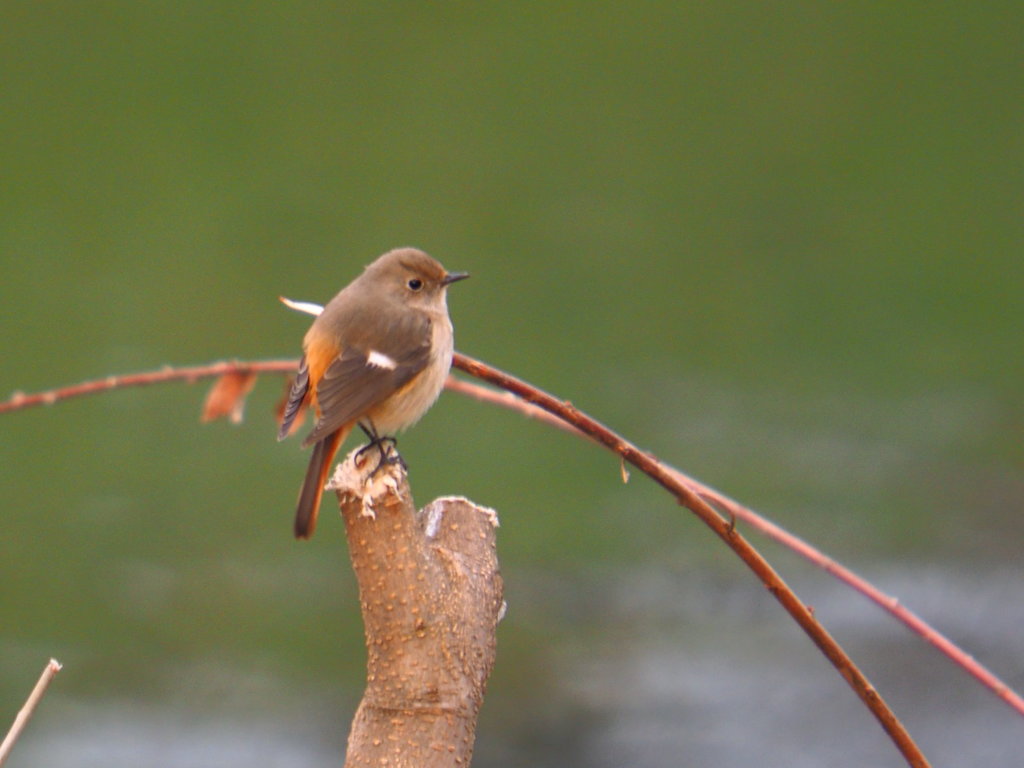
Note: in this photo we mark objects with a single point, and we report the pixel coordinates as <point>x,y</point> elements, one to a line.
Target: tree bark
<point>431,597</point>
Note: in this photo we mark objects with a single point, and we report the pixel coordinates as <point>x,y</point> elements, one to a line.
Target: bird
<point>377,356</point>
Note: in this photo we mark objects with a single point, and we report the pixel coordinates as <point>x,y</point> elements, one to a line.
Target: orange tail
<point>313,486</point>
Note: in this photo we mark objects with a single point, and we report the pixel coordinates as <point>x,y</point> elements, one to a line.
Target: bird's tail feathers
<point>313,486</point>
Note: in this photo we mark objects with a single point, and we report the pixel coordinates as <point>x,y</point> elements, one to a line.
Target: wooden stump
<point>431,597</point>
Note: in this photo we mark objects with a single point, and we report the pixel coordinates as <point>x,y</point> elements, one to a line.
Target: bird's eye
<point>415,284</point>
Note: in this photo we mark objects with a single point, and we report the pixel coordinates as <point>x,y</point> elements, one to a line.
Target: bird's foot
<point>388,455</point>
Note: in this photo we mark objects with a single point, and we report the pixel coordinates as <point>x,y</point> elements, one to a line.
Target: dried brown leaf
<point>227,396</point>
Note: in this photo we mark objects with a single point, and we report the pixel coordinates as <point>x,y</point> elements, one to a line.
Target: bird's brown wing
<point>366,374</point>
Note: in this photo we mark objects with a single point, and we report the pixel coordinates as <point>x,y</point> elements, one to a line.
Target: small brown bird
<point>377,356</point>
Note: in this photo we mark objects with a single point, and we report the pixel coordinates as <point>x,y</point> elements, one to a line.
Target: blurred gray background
<point>779,246</point>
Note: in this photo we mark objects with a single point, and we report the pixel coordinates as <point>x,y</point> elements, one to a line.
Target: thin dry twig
<point>20,400</point>
<point>51,669</point>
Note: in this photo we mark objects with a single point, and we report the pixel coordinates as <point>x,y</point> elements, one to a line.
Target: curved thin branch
<point>19,400</point>
<point>726,531</point>
<point>530,404</point>
<point>773,531</point>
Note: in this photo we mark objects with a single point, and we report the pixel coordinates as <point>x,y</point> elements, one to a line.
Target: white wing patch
<point>380,360</point>
<point>302,306</point>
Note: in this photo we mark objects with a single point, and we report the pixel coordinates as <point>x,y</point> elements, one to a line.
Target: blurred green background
<point>779,246</point>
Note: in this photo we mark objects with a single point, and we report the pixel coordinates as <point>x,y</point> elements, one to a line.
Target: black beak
<point>454,277</point>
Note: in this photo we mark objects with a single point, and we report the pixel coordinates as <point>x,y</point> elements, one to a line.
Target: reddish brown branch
<point>888,602</point>
<point>20,400</point>
<point>692,500</point>
<point>534,410</point>
<point>734,509</point>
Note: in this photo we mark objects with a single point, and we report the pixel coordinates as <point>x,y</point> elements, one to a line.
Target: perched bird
<point>377,356</point>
